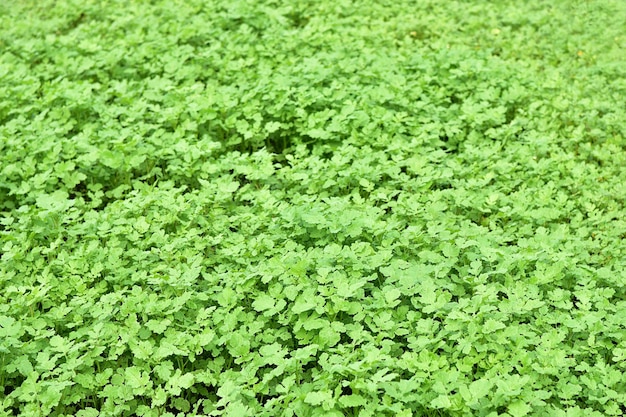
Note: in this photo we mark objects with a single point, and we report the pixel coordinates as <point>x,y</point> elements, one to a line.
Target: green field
<point>312,208</point>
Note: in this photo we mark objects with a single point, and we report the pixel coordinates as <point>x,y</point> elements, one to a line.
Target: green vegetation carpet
<point>312,208</point>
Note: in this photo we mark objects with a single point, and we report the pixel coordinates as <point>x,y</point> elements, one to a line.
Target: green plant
<point>312,208</point>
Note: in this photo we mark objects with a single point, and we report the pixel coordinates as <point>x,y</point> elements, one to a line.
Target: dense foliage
<point>312,208</point>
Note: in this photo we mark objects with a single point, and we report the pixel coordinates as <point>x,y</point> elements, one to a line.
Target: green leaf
<point>159,397</point>
<point>56,202</point>
<point>318,397</point>
<point>303,304</point>
<point>112,159</point>
<point>137,379</point>
<point>238,409</point>
<point>263,302</point>
<point>392,295</point>
<point>353,400</point>
<point>206,337</point>
<point>491,326</point>
<point>329,336</point>
<point>273,354</point>
<point>158,326</point>
<point>519,408</point>
<point>441,402</point>
<point>238,345</point>
<point>142,349</point>
<point>88,412</point>
<point>480,388</point>
<point>178,382</point>
<point>23,365</point>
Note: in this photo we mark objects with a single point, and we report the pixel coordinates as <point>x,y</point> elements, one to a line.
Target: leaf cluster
<point>312,208</point>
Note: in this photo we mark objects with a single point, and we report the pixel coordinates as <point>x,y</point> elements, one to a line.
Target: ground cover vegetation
<point>312,208</point>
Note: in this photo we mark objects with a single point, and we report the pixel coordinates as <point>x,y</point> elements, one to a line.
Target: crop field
<point>312,208</point>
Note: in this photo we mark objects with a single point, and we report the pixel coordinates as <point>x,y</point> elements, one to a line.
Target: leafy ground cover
<point>312,208</point>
